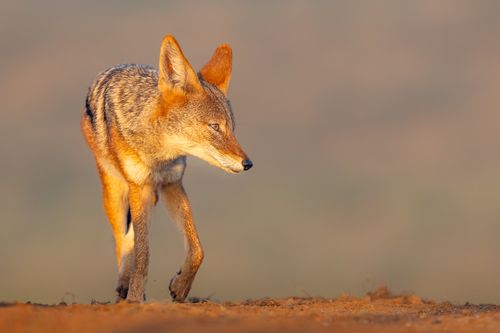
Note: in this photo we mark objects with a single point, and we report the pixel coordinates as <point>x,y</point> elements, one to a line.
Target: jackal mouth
<point>226,166</point>
<point>221,161</point>
<point>231,170</point>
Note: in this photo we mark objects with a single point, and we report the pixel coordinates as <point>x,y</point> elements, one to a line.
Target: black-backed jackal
<point>140,124</point>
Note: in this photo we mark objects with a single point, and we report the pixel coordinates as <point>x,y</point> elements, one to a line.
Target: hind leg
<point>115,197</point>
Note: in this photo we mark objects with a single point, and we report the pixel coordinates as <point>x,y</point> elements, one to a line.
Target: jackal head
<point>195,110</point>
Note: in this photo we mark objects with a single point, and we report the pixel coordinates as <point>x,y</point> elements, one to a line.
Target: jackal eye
<point>215,127</point>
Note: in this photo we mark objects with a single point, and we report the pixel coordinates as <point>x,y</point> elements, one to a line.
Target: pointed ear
<point>176,74</point>
<point>218,70</point>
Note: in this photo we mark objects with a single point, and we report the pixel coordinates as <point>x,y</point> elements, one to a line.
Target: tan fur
<point>140,124</point>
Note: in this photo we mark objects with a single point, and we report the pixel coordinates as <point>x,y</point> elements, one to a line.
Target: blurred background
<point>373,127</point>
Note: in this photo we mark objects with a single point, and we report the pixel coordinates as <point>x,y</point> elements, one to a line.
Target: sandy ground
<point>378,311</point>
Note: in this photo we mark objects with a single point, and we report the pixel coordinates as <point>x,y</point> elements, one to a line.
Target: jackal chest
<point>160,173</point>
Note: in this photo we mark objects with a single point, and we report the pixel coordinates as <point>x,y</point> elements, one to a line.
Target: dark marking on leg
<point>155,201</point>
<point>129,220</point>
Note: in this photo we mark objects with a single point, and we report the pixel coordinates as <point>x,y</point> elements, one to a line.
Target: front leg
<point>178,206</point>
<point>141,200</point>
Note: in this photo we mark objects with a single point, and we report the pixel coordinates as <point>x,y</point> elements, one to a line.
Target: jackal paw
<point>179,287</point>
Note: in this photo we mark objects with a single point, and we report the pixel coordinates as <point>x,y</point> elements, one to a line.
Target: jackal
<point>140,124</point>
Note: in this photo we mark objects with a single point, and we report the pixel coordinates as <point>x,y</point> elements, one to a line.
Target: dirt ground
<point>378,311</point>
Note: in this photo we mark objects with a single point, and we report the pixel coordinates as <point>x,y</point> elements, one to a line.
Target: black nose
<point>247,164</point>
